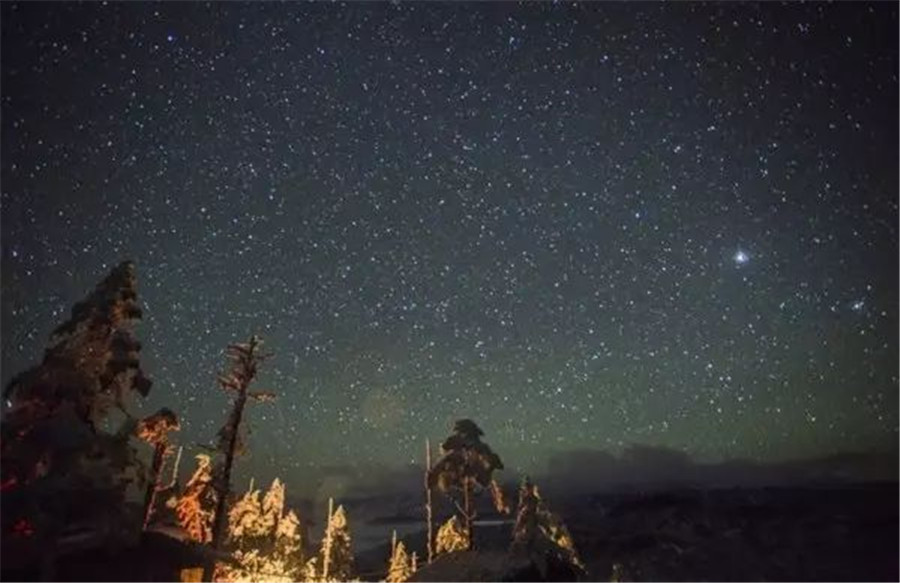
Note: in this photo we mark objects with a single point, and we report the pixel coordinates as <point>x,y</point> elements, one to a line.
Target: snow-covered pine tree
<point>451,537</point>
<point>401,566</point>
<point>543,537</point>
<point>273,505</point>
<point>335,562</point>
<point>289,543</point>
<point>245,519</point>
<point>61,468</point>
<point>265,543</point>
<point>194,506</point>
<point>92,360</point>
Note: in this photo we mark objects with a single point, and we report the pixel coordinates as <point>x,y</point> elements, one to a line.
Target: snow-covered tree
<point>542,536</point>
<point>451,537</point>
<point>266,543</point>
<point>288,539</point>
<point>273,502</point>
<point>194,506</point>
<point>92,361</point>
<point>61,465</point>
<point>335,559</point>
<point>402,565</point>
<point>245,518</point>
<point>467,465</point>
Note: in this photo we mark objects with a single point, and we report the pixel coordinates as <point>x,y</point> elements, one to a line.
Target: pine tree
<point>273,505</point>
<point>289,542</point>
<point>265,542</point>
<point>467,465</point>
<point>542,536</point>
<point>245,360</point>
<point>60,466</point>
<point>335,560</point>
<point>245,519</point>
<point>91,362</point>
<point>451,537</point>
<point>401,566</point>
<point>194,506</point>
<point>155,431</point>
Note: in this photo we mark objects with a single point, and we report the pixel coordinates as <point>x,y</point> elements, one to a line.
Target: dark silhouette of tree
<point>91,363</point>
<point>155,431</point>
<point>467,465</point>
<point>245,360</point>
<point>60,469</point>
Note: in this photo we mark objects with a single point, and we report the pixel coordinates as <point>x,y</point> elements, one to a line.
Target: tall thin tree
<point>245,360</point>
<point>429,517</point>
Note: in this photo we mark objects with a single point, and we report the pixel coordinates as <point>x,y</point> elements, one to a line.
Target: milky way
<point>583,226</point>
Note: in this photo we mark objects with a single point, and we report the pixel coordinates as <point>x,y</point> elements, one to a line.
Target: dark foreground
<point>846,533</point>
<point>766,534</point>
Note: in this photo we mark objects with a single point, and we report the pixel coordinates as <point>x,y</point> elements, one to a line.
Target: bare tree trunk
<point>326,559</point>
<point>174,479</point>
<point>159,454</point>
<point>428,515</point>
<point>245,358</point>
<point>467,508</point>
<point>224,486</point>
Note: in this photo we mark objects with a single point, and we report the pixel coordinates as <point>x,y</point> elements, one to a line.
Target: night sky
<point>581,225</point>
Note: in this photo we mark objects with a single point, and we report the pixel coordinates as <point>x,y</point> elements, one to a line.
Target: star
<point>496,227</point>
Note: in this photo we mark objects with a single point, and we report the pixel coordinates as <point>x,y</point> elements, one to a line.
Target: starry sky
<point>581,225</point>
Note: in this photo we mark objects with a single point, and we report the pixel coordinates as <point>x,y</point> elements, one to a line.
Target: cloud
<point>660,467</point>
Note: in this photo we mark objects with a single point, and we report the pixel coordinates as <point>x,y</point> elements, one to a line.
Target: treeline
<point>67,477</point>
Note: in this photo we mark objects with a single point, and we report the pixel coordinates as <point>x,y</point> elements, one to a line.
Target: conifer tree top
<point>464,455</point>
<point>92,359</point>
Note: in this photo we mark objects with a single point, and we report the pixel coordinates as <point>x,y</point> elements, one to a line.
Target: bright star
<point>741,257</point>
